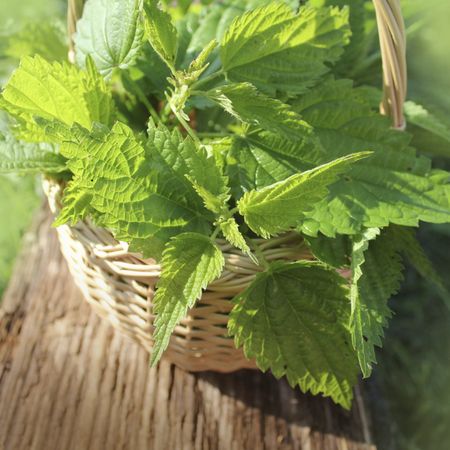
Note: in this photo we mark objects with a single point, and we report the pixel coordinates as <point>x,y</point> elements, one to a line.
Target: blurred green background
<point>411,386</point>
<point>18,195</point>
<point>414,366</point>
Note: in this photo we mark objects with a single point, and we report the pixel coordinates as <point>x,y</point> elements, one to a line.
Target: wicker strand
<point>391,30</point>
<point>74,11</point>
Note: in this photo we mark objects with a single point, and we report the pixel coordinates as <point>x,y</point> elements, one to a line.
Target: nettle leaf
<point>421,117</point>
<point>212,23</point>
<point>162,34</point>
<point>292,319</point>
<point>230,230</point>
<point>283,205</point>
<point>200,63</point>
<point>414,253</point>
<point>23,157</point>
<point>260,158</point>
<point>396,186</point>
<point>141,194</point>
<point>110,32</point>
<point>278,50</point>
<point>334,252</point>
<point>207,180</point>
<point>360,41</point>
<point>172,159</point>
<point>190,262</point>
<point>275,145</point>
<point>56,91</point>
<point>150,71</point>
<point>377,274</point>
<point>215,19</point>
<point>244,102</point>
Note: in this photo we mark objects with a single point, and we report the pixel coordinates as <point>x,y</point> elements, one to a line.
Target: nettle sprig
<point>251,134</point>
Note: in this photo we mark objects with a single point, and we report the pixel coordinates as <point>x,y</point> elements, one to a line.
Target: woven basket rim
<point>106,249</point>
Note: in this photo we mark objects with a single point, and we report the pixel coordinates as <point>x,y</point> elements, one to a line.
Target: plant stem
<point>213,134</point>
<point>259,254</point>
<point>199,93</point>
<point>215,233</point>
<point>165,112</point>
<point>207,79</point>
<point>187,127</point>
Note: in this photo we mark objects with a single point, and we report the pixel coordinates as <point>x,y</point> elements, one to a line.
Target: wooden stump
<point>68,381</point>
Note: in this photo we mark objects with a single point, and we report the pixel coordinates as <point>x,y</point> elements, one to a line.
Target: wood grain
<point>69,382</point>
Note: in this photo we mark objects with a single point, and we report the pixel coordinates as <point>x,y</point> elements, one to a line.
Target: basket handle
<point>74,11</point>
<point>391,31</point>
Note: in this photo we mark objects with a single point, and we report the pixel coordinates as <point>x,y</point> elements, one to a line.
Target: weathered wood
<point>69,382</point>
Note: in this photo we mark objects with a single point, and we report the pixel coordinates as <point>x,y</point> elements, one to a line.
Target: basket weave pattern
<point>120,285</point>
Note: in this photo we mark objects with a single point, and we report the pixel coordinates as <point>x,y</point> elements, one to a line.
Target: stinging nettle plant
<point>178,126</point>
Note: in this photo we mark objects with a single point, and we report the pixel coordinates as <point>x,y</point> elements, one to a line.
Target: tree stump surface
<point>68,381</point>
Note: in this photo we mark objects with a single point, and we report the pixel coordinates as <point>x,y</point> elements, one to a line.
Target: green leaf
<point>56,91</point>
<point>334,252</point>
<point>215,19</point>
<point>244,102</point>
<point>259,159</point>
<point>22,157</point>
<point>207,179</point>
<point>419,116</point>
<point>230,230</point>
<point>355,52</point>
<point>211,24</point>
<point>431,134</point>
<point>293,320</point>
<point>377,273</point>
<point>396,186</point>
<point>190,262</point>
<point>151,72</point>
<point>278,50</point>
<point>200,63</point>
<point>110,32</point>
<point>141,194</point>
<point>172,157</point>
<point>415,254</point>
<point>283,205</point>
<point>161,32</point>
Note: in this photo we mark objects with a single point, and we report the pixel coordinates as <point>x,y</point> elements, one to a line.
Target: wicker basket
<point>120,285</point>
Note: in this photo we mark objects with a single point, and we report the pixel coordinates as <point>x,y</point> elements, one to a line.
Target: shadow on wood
<point>69,382</point>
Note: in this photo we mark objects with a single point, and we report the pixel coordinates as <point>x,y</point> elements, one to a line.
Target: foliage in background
<point>18,200</point>
<point>25,27</point>
<point>414,369</point>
